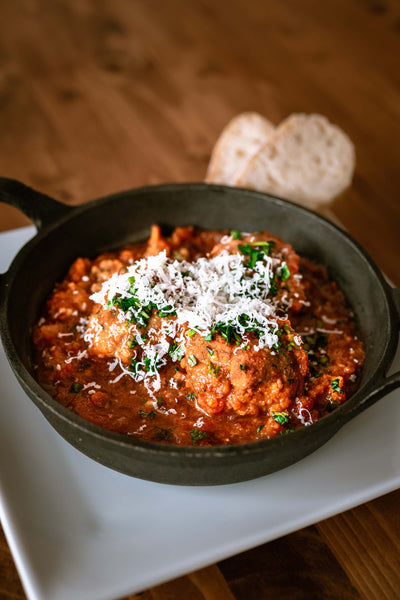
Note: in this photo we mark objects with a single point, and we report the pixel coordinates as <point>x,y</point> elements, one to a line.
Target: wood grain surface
<point>97,96</point>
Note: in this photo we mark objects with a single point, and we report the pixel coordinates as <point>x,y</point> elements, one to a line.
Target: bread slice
<point>243,137</point>
<point>307,160</point>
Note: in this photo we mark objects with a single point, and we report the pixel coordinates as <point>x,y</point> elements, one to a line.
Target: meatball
<point>244,381</point>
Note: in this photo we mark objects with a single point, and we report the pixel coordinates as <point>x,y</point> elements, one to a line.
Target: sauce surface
<point>138,368</point>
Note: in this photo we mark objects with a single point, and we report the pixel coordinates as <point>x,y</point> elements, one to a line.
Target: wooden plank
<point>102,95</point>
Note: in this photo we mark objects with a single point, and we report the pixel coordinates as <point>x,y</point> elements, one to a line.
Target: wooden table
<point>98,96</point>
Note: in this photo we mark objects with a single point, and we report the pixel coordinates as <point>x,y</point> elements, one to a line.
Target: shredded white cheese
<point>198,295</point>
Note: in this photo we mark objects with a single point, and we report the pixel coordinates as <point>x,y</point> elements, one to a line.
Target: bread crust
<point>241,139</point>
<point>307,160</point>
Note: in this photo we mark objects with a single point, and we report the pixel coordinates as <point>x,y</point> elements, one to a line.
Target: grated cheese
<point>196,295</point>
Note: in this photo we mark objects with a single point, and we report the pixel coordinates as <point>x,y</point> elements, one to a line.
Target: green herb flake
<point>134,365</point>
<point>197,435</point>
<point>284,273</point>
<point>166,311</point>
<point>176,351</point>
<point>235,235</point>
<point>192,360</point>
<point>212,369</point>
<point>191,396</point>
<point>281,417</point>
<point>259,428</point>
<point>144,414</point>
<point>273,288</point>
<point>210,351</point>
<point>208,337</point>
<point>242,367</point>
<point>76,387</point>
<point>191,333</point>
<point>335,385</point>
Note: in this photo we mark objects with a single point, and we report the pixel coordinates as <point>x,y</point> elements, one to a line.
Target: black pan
<point>64,233</point>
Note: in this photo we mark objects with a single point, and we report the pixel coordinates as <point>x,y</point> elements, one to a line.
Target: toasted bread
<point>307,160</point>
<point>244,135</point>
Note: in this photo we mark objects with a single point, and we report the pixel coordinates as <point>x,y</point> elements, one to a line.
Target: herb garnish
<point>212,369</point>
<point>284,272</point>
<point>192,360</point>
<point>176,351</point>
<point>256,250</point>
<point>336,385</point>
<point>76,387</point>
<point>281,417</point>
<point>197,435</point>
<point>144,414</point>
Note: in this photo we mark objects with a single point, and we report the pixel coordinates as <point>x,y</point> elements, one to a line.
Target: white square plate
<point>80,530</point>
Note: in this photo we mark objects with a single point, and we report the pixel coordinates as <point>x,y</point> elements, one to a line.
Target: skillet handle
<point>384,387</point>
<point>396,300</point>
<point>38,207</point>
<point>390,383</point>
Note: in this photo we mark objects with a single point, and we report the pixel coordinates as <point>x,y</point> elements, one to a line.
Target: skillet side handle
<point>384,387</point>
<point>387,384</point>
<point>38,207</point>
<point>396,300</point>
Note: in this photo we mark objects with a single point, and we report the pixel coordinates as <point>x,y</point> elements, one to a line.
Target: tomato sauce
<point>220,390</point>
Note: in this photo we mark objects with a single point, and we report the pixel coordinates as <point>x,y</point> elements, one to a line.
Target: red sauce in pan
<point>138,368</point>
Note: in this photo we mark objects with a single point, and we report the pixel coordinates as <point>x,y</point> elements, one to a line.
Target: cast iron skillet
<point>64,233</point>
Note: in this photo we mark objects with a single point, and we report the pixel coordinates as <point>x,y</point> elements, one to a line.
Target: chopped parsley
<point>132,343</point>
<point>197,435</point>
<point>212,369</point>
<point>256,251</point>
<point>235,235</point>
<point>336,385</point>
<point>281,417</point>
<point>284,272</point>
<point>227,331</point>
<point>76,387</point>
<point>273,287</point>
<point>176,351</point>
<point>166,311</point>
<point>144,414</point>
<point>192,360</point>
